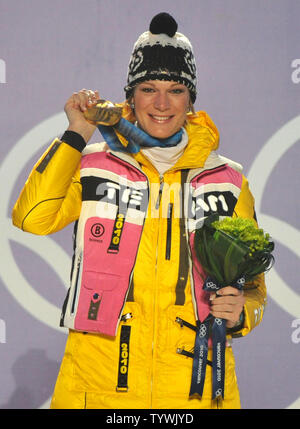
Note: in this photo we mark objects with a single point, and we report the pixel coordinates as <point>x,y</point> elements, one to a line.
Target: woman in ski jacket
<point>136,298</point>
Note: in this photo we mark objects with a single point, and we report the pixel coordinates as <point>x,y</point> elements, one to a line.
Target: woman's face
<point>161,107</point>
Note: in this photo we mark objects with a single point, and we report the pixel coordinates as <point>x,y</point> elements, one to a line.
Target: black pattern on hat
<point>162,54</point>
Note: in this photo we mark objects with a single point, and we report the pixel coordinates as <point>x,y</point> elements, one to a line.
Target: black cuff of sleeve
<point>74,139</point>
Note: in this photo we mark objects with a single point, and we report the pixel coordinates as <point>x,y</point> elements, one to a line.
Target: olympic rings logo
<point>218,321</point>
<point>202,331</point>
<point>218,392</point>
<point>284,233</point>
<point>45,247</point>
<point>211,285</point>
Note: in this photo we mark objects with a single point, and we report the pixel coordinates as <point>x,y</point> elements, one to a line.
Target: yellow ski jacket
<point>142,365</point>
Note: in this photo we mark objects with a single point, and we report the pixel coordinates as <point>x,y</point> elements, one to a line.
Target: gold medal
<point>103,113</point>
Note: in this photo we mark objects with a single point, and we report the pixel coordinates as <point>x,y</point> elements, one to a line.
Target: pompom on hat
<point>162,54</point>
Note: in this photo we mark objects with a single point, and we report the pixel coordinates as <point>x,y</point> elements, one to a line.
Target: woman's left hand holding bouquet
<point>228,304</point>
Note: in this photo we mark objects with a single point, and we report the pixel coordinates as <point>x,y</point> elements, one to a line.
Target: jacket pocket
<point>99,295</point>
<point>180,336</point>
<point>100,303</point>
<point>98,281</point>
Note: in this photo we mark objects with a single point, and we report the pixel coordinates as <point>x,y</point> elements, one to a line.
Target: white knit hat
<point>162,54</point>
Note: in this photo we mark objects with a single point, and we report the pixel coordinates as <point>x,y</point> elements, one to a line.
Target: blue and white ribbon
<point>135,136</point>
<point>217,327</point>
<point>219,340</point>
<point>200,357</point>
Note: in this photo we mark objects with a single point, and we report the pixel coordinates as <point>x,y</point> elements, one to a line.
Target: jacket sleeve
<point>51,196</point>
<point>255,291</point>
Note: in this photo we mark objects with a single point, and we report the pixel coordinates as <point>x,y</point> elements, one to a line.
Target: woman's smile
<point>161,119</point>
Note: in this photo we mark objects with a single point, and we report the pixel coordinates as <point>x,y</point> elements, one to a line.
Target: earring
<point>132,106</point>
<point>191,108</point>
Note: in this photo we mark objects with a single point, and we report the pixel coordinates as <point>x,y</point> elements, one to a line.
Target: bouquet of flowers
<point>233,247</point>
<point>231,251</point>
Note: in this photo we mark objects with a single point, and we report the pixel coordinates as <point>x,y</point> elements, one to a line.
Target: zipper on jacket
<point>161,185</point>
<point>126,316</point>
<point>157,207</point>
<point>169,231</point>
<point>76,283</point>
<point>74,248</point>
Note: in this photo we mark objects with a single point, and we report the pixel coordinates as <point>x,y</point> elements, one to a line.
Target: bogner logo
<point>97,230</point>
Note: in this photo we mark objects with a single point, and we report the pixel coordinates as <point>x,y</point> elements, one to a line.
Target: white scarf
<point>164,158</point>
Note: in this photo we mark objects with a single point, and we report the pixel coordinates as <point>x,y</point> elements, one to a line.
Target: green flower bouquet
<point>233,247</point>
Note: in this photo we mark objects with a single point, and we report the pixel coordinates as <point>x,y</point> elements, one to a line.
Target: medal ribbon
<point>136,137</point>
<point>218,359</point>
<point>219,339</point>
<point>200,357</point>
<point>218,331</point>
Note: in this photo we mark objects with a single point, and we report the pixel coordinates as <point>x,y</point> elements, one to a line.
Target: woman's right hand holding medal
<point>75,107</point>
